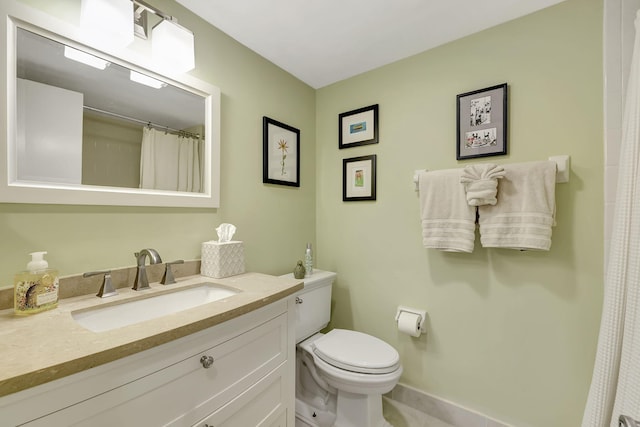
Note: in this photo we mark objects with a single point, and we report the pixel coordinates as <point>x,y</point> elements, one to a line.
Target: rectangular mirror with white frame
<point>90,127</point>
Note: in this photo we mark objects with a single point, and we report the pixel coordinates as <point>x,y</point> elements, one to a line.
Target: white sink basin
<point>130,312</point>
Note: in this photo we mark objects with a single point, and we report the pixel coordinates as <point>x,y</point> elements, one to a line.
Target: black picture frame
<point>279,164</point>
<point>482,122</point>
<point>358,127</point>
<point>359,178</point>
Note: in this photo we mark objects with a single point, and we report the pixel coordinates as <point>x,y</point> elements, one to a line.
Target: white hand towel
<point>448,222</point>
<point>523,217</point>
<point>481,183</point>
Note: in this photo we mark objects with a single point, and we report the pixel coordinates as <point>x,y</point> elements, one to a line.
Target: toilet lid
<point>356,352</point>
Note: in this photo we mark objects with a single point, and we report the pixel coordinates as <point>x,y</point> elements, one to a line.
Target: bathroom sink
<point>130,312</point>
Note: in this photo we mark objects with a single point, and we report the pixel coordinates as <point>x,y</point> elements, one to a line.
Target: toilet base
<point>357,410</point>
<point>309,416</point>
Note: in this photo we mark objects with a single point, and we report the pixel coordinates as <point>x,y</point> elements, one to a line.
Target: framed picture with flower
<point>359,178</point>
<point>281,153</point>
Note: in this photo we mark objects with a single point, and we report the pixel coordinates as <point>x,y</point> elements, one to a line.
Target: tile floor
<point>401,415</point>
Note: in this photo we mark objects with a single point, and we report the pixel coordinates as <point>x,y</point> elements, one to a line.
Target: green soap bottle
<point>36,288</point>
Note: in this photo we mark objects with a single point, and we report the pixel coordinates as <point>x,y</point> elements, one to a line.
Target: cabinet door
<point>260,406</point>
<point>281,421</point>
<point>49,143</point>
<point>184,392</point>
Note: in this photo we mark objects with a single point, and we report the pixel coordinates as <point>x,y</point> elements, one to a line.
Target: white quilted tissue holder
<point>222,259</point>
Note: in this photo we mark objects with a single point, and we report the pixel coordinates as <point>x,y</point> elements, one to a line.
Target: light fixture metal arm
<point>155,11</point>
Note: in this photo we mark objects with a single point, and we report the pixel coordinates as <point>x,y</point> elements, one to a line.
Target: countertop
<point>50,345</point>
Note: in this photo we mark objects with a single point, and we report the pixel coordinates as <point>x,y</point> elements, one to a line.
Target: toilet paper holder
<point>422,314</point>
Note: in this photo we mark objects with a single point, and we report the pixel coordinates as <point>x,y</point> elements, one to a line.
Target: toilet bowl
<point>340,375</point>
<point>356,362</point>
<point>358,369</point>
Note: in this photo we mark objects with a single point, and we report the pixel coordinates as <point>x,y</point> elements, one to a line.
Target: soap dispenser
<point>308,261</point>
<point>36,288</point>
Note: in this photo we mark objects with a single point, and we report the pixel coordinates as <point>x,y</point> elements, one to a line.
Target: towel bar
<point>563,170</point>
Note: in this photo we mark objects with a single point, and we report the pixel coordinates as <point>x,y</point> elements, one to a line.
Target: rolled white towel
<point>480,182</point>
<point>482,192</point>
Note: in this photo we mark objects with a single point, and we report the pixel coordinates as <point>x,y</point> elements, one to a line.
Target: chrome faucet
<point>141,281</point>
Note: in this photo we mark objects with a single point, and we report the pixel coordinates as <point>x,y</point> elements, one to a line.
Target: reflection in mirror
<point>82,120</point>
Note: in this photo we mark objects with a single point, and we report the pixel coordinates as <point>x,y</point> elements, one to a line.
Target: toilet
<point>341,375</point>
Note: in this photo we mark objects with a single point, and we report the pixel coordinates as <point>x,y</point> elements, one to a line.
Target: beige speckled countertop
<point>49,345</point>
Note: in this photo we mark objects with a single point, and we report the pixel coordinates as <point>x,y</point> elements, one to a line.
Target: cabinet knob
<point>299,300</point>
<point>206,361</point>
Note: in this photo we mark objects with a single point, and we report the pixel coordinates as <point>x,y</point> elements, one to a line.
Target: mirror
<point>108,133</point>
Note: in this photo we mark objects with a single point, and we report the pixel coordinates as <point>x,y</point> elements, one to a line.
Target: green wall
<point>111,151</point>
<point>510,334</point>
<point>275,222</point>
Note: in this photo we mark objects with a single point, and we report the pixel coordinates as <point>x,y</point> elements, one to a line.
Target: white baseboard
<point>444,410</point>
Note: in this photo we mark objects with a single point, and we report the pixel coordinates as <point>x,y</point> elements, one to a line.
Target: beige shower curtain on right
<point>615,386</point>
<point>170,162</point>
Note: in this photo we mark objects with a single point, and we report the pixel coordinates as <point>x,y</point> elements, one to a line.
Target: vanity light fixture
<point>107,23</point>
<point>146,80</point>
<point>113,23</point>
<point>85,58</point>
<point>172,46</point>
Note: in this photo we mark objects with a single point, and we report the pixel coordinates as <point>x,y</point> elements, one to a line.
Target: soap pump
<point>37,262</point>
<point>36,288</point>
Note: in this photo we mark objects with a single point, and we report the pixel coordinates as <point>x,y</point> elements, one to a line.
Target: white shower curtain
<point>615,386</point>
<point>170,162</point>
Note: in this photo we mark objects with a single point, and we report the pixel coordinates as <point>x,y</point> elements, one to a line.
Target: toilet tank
<point>313,303</point>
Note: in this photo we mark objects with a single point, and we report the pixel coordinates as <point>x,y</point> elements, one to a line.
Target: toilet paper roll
<point>409,323</point>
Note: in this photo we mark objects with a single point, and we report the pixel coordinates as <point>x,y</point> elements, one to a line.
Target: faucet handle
<point>167,278</point>
<point>107,289</point>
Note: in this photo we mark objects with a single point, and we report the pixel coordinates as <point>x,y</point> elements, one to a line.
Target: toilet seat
<point>356,352</point>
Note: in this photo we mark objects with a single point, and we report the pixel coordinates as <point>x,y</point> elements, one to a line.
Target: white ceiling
<point>325,41</point>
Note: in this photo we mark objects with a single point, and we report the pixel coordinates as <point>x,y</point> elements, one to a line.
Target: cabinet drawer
<point>185,392</point>
<point>260,406</point>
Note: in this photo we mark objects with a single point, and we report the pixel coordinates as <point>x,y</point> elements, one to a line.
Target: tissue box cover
<point>222,259</point>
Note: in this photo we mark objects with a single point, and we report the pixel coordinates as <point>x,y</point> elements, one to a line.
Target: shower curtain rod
<point>146,123</point>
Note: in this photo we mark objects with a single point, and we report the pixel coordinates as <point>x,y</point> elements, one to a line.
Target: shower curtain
<point>615,385</point>
<point>170,162</point>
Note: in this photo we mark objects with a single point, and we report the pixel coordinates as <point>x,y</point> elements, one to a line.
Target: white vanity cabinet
<point>238,373</point>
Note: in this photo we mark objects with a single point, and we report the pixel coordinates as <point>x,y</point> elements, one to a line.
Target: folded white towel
<point>481,183</point>
<point>448,222</point>
<point>523,217</point>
